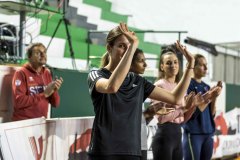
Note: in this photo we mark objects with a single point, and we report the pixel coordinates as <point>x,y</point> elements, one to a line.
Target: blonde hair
<point>104,60</point>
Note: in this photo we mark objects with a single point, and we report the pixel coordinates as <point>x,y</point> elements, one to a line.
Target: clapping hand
<point>216,90</point>
<point>190,100</point>
<point>197,100</point>
<point>165,110</point>
<point>58,83</point>
<point>187,55</point>
<point>209,96</point>
<point>53,86</point>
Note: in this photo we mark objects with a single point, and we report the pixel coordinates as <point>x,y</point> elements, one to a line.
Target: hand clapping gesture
<point>58,83</point>
<point>210,96</point>
<point>216,90</point>
<point>190,100</point>
<point>187,55</point>
<point>53,86</point>
<point>196,100</point>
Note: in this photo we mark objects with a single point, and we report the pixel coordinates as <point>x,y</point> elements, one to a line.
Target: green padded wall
<point>75,98</point>
<point>232,96</point>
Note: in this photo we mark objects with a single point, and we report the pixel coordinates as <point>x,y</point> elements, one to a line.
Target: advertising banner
<point>41,139</point>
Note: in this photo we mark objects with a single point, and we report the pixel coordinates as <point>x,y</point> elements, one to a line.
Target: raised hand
<point>133,39</point>
<point>187,55</point>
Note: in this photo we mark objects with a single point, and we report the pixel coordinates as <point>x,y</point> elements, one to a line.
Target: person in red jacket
<point>33,86</point>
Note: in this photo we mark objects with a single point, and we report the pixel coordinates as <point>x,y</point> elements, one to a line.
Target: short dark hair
<point>31,47</point>
<point>136,54</point>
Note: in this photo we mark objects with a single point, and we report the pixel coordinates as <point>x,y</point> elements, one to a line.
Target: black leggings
<point>167,142</point>
<point>144,155</point>
<point>114,157</point>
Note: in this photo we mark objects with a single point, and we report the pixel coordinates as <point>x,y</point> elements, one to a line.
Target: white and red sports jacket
<point>28,98</point>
